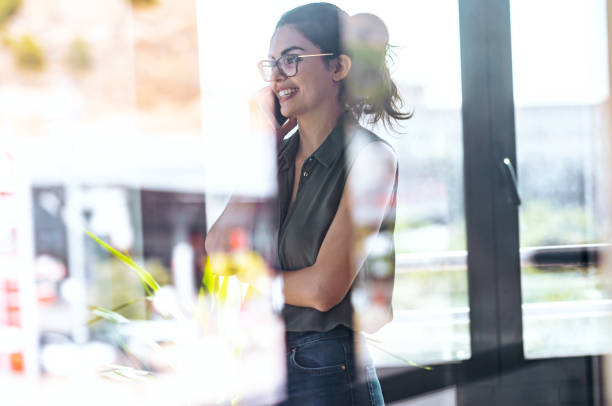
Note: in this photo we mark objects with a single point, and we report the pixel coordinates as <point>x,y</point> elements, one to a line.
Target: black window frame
<point>497,372</point>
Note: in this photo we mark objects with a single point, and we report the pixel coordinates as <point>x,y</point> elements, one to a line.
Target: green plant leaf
<point>7,9</point>
<point>223,289</point>
<point>108,315</point>
<point>113,310</point>
<point>79,57</point>
<point>28,54</point>
<point>147,280</point>
<point>216,284</point>
<point>125,372</point>
<point>414,364</point>
<point>208,279</point>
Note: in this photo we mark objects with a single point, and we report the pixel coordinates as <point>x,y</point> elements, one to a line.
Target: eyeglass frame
<point>274,64</point>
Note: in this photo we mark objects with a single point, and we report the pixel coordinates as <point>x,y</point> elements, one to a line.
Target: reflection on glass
<point>561,98</point>
<point>101,115</point>
<point>430,303</point>
<point>108,132</point>
<point>431,317</point>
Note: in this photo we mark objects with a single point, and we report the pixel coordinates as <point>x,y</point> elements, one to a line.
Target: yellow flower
<point>220,264</point>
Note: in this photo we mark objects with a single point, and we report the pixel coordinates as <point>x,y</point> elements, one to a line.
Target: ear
<point>342,68</point>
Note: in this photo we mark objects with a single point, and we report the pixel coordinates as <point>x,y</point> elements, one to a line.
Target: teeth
<point>286,92</point>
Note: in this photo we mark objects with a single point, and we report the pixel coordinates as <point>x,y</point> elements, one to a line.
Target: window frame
<point>497,372</point>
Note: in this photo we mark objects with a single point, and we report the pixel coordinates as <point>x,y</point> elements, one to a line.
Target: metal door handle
<point>510,174</point>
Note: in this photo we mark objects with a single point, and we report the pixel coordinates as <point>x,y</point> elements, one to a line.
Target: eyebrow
<point>289,49</point>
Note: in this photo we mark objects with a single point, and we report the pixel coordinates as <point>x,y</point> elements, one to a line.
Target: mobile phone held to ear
<point>280,119</point>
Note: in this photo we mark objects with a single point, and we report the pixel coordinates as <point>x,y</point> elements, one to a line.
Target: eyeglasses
<point>287,65</point>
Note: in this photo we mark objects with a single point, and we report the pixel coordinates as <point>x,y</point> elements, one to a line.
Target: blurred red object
<point>238,239</point>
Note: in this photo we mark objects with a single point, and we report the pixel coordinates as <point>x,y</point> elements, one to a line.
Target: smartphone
<point>280,119</point>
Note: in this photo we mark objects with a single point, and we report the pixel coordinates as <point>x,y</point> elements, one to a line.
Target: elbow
<point>329,291</point>
<point>211,242</point>
<point>207,244</point>
<point>324,305</point>
<point>326,299</point>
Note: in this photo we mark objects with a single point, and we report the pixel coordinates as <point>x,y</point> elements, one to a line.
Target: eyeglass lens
<point>286,64</point>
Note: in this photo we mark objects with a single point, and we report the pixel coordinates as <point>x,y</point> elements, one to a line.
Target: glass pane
<point>430,299</point>
<point>561,89</point>
<point>101,131</point>
<point>431,315</point>
<point>119,119</point>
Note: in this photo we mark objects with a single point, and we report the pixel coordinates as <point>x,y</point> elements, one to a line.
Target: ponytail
<point>369,88</point>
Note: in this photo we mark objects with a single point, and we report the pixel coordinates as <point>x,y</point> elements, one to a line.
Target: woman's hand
<point>261,109</point>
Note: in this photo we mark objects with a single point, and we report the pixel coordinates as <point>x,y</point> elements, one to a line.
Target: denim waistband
<point>295,338</point>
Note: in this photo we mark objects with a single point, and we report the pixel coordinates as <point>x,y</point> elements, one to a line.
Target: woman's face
<point>312,87</point>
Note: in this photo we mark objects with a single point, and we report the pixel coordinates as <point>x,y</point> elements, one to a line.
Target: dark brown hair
<point>368,89</point>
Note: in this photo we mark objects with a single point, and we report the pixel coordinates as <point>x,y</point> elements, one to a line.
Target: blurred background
<point>118,117</point>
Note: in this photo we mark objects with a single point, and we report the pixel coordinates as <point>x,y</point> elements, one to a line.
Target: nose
<point>276,75</point>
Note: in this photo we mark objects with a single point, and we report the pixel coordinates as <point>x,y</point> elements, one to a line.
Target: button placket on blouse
<point>307,168</point>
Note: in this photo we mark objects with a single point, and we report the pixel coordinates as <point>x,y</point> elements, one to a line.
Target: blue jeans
<point>322,370</point>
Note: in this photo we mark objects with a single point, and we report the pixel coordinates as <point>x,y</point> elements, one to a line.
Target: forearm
<point>314,287</point>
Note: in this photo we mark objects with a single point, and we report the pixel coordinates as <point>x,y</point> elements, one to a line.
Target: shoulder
<point>367,148</point>
<point>372,178</point>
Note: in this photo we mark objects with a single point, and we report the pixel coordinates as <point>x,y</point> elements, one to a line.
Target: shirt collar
<point>327,152</point>
<point>331,147</point>
<point>287,151</point>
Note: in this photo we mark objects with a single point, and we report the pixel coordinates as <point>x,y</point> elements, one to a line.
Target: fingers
<point>261,111</point>
<point>263,118</point>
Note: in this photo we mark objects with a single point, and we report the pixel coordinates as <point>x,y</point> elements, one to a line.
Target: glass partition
<point>430,300</point>
<point>120,120</point>
<point>561,83</point>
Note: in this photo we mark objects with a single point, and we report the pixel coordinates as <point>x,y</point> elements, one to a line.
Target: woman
<point>327,70</point>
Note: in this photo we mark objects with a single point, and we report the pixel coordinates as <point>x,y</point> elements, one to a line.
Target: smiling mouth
<point>286,93</point>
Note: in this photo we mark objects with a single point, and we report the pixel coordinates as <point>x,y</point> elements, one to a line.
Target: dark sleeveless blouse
<point>304,224</point>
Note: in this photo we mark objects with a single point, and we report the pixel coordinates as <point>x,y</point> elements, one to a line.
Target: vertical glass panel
<point>431,314</point>
<point>101,132</point>
<point>430,299</point>
<point>118,118</point>
<point>561,89</point>
<point>66,126</point>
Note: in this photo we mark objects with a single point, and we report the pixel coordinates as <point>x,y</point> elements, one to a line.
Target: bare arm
<point>361,211</point>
